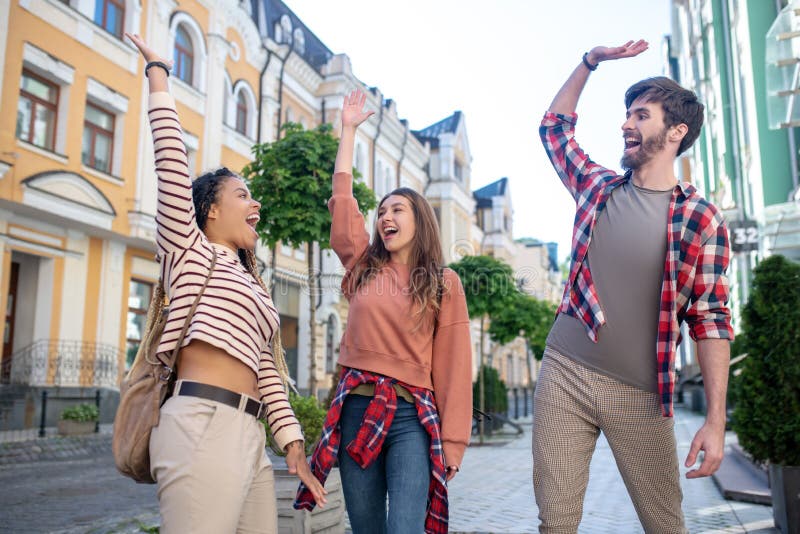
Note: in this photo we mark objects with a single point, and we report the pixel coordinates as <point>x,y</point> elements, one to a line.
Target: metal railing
<point>520,402</point>
<point>63,363</point>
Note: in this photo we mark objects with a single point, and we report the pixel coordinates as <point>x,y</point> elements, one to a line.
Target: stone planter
<point>784,482</point>
<point>329,520</point>
<point>68,427</point>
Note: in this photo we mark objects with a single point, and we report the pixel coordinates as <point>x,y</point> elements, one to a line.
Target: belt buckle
<point>262,410</point>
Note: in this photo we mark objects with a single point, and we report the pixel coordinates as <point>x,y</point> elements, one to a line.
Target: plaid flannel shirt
<point>694,288</point>
<point>367,444</point>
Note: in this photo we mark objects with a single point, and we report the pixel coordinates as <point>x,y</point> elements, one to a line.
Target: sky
<point>500,62</point>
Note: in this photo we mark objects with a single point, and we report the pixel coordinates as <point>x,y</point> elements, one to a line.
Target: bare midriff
<point>202,362</point>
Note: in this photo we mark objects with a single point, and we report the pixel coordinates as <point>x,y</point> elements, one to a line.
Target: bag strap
<point>170,363</point>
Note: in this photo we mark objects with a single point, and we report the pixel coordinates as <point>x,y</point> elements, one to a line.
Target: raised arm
<point>566,100</point>
<point>176,224</point>
<point>353,115</point>
<point>557,131</point>
<point>349,238</point>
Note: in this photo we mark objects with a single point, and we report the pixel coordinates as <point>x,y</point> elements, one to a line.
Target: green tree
<point>291,177</point>
<point>489,287</point>
<point>766,416</point>
<point>524,316</point>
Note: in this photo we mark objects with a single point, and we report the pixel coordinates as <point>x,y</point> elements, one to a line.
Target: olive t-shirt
<point>626,259</point>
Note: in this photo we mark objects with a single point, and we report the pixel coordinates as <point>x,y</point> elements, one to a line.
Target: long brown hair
<point>425,260</point>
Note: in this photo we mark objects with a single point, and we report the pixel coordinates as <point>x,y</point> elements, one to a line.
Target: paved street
<point>492,494</point>
<point>73,496</point>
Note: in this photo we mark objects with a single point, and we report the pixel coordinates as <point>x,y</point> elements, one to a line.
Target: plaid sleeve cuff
<point>553,119</point>
<point>716,328</point>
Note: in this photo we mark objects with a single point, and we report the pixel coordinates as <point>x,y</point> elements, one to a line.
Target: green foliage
<point>310,415</point>
<point>495,390</point>
<point>526,316</point>
<point>154,529</point>
<point>81,412</point>
<point>488,283</point>
<point>291,177</point>
<point>767,392</point>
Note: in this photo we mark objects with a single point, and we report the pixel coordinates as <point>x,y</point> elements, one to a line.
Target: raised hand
<point>606,53</point>
<point>353,112</point>
<point>147,52</point>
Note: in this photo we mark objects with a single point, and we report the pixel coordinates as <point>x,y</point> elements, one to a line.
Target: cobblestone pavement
<point>72,487</point>
<point>494,493</point>
<point>71,496</point>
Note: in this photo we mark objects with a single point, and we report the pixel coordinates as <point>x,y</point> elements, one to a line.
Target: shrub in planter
<point>495,394</point>
<point>81,412</point>
<point>766,417</point>
<point>79,419</point>
<point>310,414</point>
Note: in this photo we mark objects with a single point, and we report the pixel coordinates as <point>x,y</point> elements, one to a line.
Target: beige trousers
<point>212,471</point>
<point>572,405</point>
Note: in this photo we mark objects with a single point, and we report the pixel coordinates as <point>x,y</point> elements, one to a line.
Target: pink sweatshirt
<point>380,335</point>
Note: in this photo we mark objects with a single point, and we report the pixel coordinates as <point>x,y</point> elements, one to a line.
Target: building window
<point>36,111</point>
<point>241,113</point>
<point>458,171</point>
<point>139,297</point>
<point>299,41</point>
<point>110,15</point>
<point>98,138</point>
<point>184,55</point>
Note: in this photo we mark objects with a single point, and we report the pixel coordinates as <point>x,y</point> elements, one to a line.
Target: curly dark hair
<point>205,189</point>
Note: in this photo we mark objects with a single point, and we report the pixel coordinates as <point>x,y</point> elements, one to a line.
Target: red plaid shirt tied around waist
<point>695,286</point>
<point>367,444</point>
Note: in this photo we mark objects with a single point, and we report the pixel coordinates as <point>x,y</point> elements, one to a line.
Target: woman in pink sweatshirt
<point>403,408</point>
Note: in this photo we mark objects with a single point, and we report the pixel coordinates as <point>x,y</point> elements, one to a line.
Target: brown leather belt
<point>368,390</point>
<point>240,401</point>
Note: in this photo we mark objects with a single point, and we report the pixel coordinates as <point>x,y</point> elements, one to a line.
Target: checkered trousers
<point>572,405</point>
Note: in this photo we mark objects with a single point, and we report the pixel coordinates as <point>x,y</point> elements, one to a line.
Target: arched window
<point>299,41</point>
<point>241,113</point>
<point>286,29</point>
<point>184,56</point>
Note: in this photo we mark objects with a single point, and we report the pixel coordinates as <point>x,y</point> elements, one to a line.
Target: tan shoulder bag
<point>145,388</point>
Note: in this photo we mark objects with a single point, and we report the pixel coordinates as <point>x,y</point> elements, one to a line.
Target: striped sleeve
<point>282,421</point>
<point>175,219</point>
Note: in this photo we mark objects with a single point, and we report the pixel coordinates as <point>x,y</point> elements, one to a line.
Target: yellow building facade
<point>78,191</point>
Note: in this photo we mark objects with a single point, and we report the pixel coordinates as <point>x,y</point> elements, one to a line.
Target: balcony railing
<point>63,363</point>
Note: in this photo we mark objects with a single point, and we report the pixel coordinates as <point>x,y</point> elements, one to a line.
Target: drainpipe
<point>280,88</point>
<point>744,259</point>
<point>375,141</point>
<point>402,156</point>
<point>324,118</point>
<point>261,90</point>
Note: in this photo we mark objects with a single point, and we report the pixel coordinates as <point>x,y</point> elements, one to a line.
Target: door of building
<point>8,328</point>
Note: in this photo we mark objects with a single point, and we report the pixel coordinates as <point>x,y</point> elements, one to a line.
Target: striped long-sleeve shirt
<point>234,314</point>
<point>694,287</point>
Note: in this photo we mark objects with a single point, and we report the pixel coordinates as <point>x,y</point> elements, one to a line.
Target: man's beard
<point>647,149</point>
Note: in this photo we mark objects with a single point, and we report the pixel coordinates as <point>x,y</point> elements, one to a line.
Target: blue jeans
<point>403,469</point>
